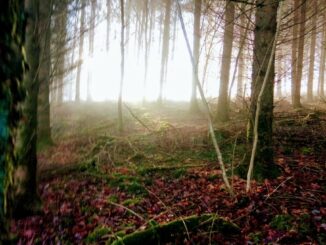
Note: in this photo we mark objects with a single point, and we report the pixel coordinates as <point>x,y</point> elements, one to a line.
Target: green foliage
<point>307,150</point>
<point>97,234</point>
<point>282,222</point>
<point>256,238</point>
<point>179,173</point>
<point>132,201</point>
<point>130,184</point>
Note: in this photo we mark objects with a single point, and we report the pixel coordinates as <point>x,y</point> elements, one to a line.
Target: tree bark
<point>81,49</point>
<point>122,66</point>
<point>294,72</point>
<point>165,49</point>
<point>44,129</point>
<point>321,78</point>
<point>108,24</point>
<point>11,94</point>
<point>263,74</point>
<point>297,90</point>
<point>196,46</point>
<point>312,54</point>
<point>223,103</point>
<point>28,202</point>
<point>91,48</point>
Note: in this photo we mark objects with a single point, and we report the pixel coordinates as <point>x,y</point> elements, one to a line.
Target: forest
<point>162,122</point>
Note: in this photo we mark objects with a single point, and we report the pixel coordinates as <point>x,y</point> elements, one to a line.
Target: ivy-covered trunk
<point>27,201</point>
<point>11,93</point>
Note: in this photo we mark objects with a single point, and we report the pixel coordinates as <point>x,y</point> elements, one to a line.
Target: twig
<point>137,118</point>
<point>206,107</point>
<point>128,209</point>
<point>269,194</point>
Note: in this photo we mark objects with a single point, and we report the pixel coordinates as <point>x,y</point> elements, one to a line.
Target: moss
<point>179,173</point>
<point>132,201</point>
<point>256,238</point>
<point>164,233</point>
<point>97,234</point>
<point>113,198</point>
<point>282,222</point>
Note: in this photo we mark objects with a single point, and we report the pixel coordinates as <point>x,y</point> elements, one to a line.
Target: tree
<point>223,101</point>
<point>108,23</point>
<point>27,201</point>
<point>196,44</point>
<point>294,58</point>
<point>81,49</point>
<point>91,36</point>
<point>296,92</point>
<point>321,78</point>
<point>11,94</point>
<point>165,48</point>
<point>60,42</point>
<point>122,72</point>
<point>44,129</point>
<point>261,126</point>
<point>312,53</point>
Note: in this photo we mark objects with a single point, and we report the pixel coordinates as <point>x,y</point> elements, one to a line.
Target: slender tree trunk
<point>91,48</point>
<point>27,202</point>
<point>196,46</point>
<point>261,125</point>
<point>294,67</point>
<point>241,66</point>
<point>108,24</point>
<point>165,49</point>
<point>11,77</point>
<point>321,78</point>
<point>122,48</point>
<point>81,49</point>
<point>44,129</point>
<point>297,90</point>
<point>61,47</point>
<point>312,54</point>
<point>223,103</point>
<point>147,47</point>
<point>279,75</point>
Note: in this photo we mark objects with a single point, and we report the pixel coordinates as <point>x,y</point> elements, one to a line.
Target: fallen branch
<point>137,118</point>
<point>164,233</point>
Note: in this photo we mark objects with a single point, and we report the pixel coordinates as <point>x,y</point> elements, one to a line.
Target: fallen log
<point>164,233</point>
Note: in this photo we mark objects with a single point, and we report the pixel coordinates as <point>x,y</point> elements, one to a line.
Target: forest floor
<point>97,185</point>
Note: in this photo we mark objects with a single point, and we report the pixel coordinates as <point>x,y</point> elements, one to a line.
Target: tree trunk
<point>265,29</point>
<point>165,49</point>
<point>297,87</point>
<point>108,24</point>
<point>81,49</point>
<point>321,78</point>
<point>294,72</point>
<point>28,200</point>
<point>147,47</point>
<point>223,103</point>
<point>196,46</point>
<point>61,36</point>
<point>310,84</point>
<point>241,66</point>
<point>11,94</point>
<point>44,129</point>
<point>91,48</point>
<point>122,49</point>
<point>297,51</point>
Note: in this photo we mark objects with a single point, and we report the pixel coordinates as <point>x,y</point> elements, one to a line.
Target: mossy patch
<point>282,222</point>
<point>97,234</point>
